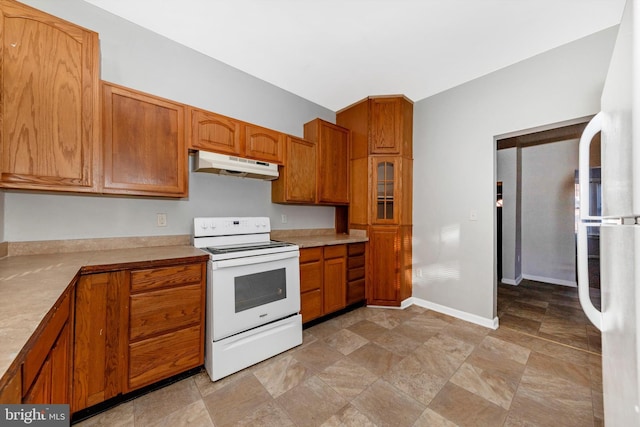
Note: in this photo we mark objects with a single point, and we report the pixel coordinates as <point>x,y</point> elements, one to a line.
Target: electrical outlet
<point>283,218</point>
<point>161,220</point>
<point>419,272</point>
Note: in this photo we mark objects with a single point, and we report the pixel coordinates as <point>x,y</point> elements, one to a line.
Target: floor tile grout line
<point>552,341</point>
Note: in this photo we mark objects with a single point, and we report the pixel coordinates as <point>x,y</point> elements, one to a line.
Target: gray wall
<point>454,147</point>
<point>140,59</point>
<point>548,212</point>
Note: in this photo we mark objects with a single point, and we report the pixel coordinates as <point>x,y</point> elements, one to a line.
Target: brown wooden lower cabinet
<point>356,265</point>
<point>100,331</point>
<point>135,328</point>
<point>165,355</point>
<point>11,391</point>
<point>335,278</point>
<point>112,333</point>
<point>311,283</point>
<point>331,277</point>
<point>389,275</point>
<point>166,322</point>
<point>46,369</point>
<point>45,372</point>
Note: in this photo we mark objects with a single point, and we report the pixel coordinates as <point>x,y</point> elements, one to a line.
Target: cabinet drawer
<point>355,261</point>
<point>355,274</point>
<point>355,291</point>
<point>153,278</point>
<point>356,248</point>
<point>163,356</point>
<point>310,276</point>
<point>311,305</point>
<point>335,251</point>
<point>310,254</point>
<point>164,310</point>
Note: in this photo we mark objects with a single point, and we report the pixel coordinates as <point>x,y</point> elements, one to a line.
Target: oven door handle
<point>258,259</point>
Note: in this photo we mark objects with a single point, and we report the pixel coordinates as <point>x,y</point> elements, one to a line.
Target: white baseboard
<point>404,304</point>
<point>512,282</point>
<point>570,283</point>
<point>462,315</point>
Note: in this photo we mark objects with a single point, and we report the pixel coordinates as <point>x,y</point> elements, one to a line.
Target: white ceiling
<point>336,52</point>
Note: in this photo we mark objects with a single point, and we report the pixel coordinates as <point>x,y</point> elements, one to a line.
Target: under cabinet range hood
<point>225,164</point>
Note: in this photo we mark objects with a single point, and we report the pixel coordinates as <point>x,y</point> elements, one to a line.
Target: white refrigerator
<point>619,316</point>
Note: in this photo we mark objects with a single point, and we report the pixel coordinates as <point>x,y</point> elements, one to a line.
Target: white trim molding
<point>570,283</point>
<point>462,315</point>
<point>512,282</point>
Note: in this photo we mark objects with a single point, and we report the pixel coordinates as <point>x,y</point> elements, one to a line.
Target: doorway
<point>535,235</point>
<point>538,306</point>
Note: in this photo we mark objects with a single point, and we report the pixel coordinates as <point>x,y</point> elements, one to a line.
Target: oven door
<point>247,292</point>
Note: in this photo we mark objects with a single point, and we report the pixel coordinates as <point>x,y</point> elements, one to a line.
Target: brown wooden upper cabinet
<point>144,148</point>
<point>297,181</point>
<point>263,144</point>
<point>333,160</point>
<point>391,121</point>
<point>49,74</point>
<point>221,134</point>
<point>213,132</point>
<point>321,158</point>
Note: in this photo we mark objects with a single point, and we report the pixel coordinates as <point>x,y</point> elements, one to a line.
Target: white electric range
<point>253,293</point>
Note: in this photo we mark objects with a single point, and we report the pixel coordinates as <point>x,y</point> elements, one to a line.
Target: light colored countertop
<point>314,241</point>
<point>31,285</point>
<point>315,238</point>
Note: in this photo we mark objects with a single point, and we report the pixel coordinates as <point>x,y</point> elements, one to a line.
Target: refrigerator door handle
<point>593,314</point>
<point>593,127</point>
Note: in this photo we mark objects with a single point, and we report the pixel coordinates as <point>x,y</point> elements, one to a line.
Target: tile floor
<point>549,311</point>
<point>413,367</point>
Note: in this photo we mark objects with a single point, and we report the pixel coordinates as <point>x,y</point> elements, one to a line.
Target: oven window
<point>254,290</point>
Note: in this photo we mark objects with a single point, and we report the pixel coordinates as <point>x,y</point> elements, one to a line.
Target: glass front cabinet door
<point>385,183</point>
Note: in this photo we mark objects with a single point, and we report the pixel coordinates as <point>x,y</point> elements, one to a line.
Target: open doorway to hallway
<point>537,293</point>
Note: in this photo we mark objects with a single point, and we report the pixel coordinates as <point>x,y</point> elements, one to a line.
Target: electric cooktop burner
<point>243,248</point>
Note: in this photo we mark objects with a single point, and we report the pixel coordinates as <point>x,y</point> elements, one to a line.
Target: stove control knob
<point>203,225</point>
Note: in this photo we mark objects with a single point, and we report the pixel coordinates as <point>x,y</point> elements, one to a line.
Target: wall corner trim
<point>513,282</point>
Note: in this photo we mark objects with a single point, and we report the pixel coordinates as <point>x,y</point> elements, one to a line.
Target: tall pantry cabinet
<point>381,189</point>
